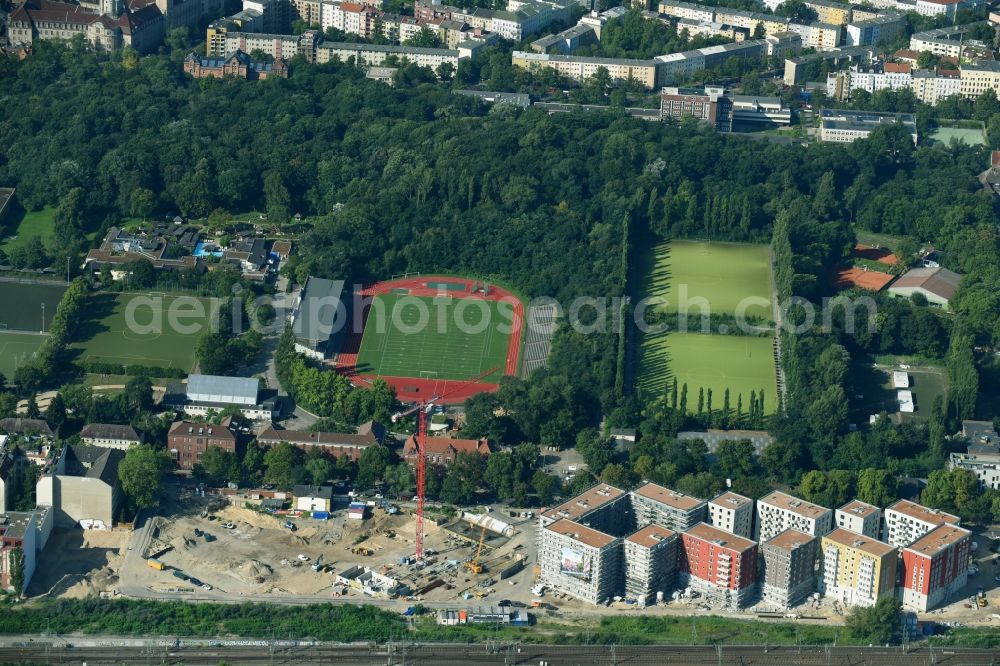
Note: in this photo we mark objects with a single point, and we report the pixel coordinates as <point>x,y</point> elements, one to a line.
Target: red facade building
<point>719,564</point>
<point>187,441</point>
<point>935,567</point>
<point>443,450</point>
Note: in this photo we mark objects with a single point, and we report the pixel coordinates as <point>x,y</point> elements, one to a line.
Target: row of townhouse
<point>653,541</point>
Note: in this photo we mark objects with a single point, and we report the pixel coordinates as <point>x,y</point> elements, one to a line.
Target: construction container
<point>156,564</point>
<point>179,574</point>
<point>512,569</point>
<point>321,515</point>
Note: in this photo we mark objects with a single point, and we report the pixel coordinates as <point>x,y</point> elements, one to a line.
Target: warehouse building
<point>789,568</point>
<point>650,563</point>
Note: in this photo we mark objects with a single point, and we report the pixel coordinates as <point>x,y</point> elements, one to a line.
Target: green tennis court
<point>434,338</point>
<point>716,362</point>
<point>144,329</point>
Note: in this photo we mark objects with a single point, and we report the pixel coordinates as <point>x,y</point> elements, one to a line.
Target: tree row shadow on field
<point>99,307</point>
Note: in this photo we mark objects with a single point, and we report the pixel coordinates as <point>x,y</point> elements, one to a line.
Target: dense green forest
<point>409,179</point>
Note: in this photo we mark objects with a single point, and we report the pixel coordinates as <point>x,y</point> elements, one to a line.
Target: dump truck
<point>155,564</point>
<point>361,550</point>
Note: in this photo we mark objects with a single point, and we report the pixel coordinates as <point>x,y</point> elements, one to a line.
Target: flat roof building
<point>856,570</point>
<point>719,565</point>
<point>580,561</point>
<point>778,511</point>
<point>319,319</point>
<point>935,567</point>
<point>789,568</point>
<point>937,285</point>
<point>653,503</point>
<point>906,521</point>
<point>732,513</point>
<point>650,563</point>
<point>860,517</point>
<point>847,126</point>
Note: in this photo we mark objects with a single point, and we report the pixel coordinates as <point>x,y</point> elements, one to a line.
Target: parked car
<point>229,525</point>
<point>290,525</point>
<point>206,586</point>
<point>303,558</point>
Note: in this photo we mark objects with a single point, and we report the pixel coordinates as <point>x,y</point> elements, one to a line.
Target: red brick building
<point>935,567</point>
<point>443,450</point>
<point>187,441</point>
<point>718,564</point>
<point>334,444</point>
<point>236,64</point>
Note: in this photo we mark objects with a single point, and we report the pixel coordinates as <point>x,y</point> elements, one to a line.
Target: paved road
<point>111,650</point>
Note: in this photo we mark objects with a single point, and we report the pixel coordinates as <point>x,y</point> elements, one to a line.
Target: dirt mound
<point>254,571</point>
<point>252,518</point>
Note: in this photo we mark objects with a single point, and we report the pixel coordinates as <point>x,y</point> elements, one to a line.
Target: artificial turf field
<point>722,273</point>
<point>16,348</point>
<point>22,304</point>
<point>395,345</point>
<point>107,338</point>
<point>739,363</point>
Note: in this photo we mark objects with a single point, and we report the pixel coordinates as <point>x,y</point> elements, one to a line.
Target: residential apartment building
<point>598,499</point>
<point>931,86</point>
<point>935,567</point>
<point>697,29</point>
<point>677,66</point>
<point>781,44</point>
<point>650,563</point>
<point>977,78</point>
<point>719,565</point>
<point>688,10</point>
<point>187,440</point>
<point>789,568</point>
<point>836,13</point>
<point>949,8</point>
<point>779,511</point>
<point>525,21</point>
<point>109,436</point>
<point>732,513</point>
<point>947,42</point>
<point>27,532</point>
<point>580,561</point>
<point>874,31</point>
<point>653,503</point>
<point>443,450</point>
<point>983,460</point>
<point>860,517</point>
<point>643,72</point>
<point>856,570</point>
<point>333,444</point>
<point>107,27</point>
<point>285,47</point>
<point>376,54</point>
<point>847,126</point>
<point>871,79</point>
<point>820,36</point>
<point>276,15</point>
<point>308,11</point>
<point>907,521</point>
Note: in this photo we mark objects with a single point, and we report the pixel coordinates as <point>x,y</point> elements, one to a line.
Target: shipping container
<point>321,515</point>
<point>156,564</point>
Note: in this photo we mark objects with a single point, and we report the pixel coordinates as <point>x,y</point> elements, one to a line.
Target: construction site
<point>211,546</point>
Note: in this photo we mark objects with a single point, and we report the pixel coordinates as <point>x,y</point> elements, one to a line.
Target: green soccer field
<point>144,329</point>
<point>395,344</point>
<point>726,275</point>
<point>15,349</point>
<point>717,362</point>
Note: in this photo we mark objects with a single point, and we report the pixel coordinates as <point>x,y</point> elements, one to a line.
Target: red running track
<point>411,389</point>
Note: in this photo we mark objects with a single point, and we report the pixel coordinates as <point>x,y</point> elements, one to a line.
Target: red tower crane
<point>422,409</point>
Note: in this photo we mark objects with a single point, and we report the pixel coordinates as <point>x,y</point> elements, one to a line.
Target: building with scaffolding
<point>650,563</point>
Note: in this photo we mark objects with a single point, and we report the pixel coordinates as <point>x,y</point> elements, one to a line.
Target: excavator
<point>318,564</point>
<point>473,565</point>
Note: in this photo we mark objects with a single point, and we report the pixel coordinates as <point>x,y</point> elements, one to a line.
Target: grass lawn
<point>395,344</point>
<point>877,240</point>
<point>23,303</point>
<point>717,362</point>
<point>25,225</point>
<point>16,348</point>
<point>165,331</point>
<point>724,274</point>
